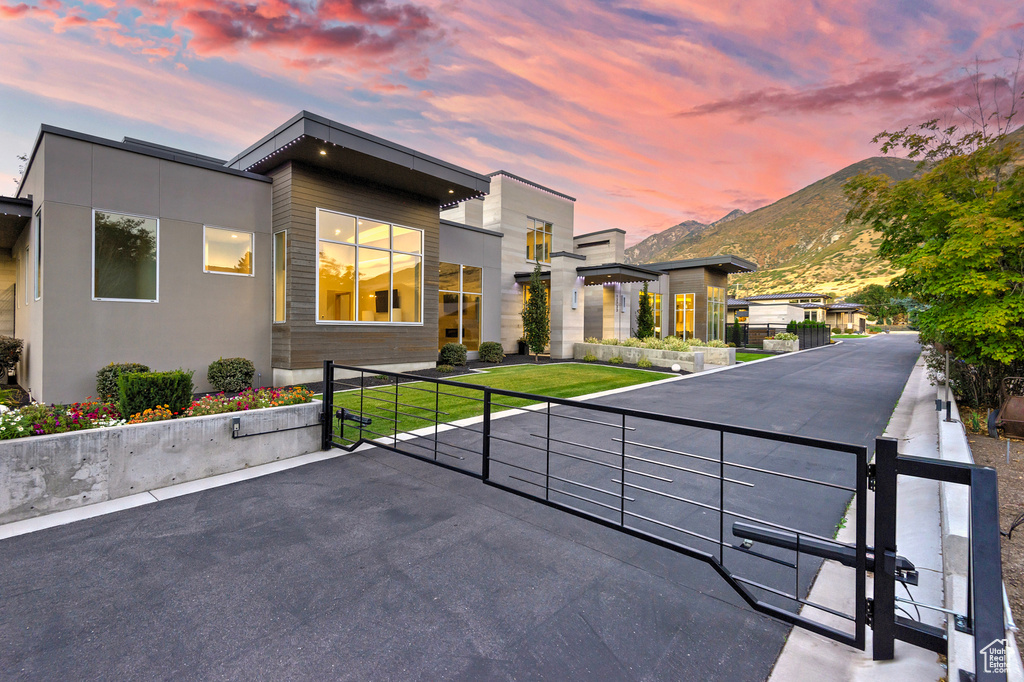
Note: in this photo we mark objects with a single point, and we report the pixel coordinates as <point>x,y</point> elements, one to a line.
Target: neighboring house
<point>850,316</point>
<point>317,242</point>
<point>737,309</point>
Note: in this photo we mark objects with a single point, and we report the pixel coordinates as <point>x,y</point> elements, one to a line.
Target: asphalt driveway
<point>375,566</point>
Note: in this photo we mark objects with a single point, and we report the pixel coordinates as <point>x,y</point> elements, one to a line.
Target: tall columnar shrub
<point>644,316</point>
<point>737,331</point>
<point>140,391</point>
<point>536,325</point>
<point>231,374</point>
<point>106,379</point>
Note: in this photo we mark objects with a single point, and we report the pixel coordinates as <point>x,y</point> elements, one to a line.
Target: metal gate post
<point>883,619</point>
<point>327,425</point>
<point>986,576</point>
<point>485,463</point>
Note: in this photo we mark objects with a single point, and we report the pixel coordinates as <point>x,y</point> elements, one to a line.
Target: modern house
<point>318,241</point>
<point>795,307</point>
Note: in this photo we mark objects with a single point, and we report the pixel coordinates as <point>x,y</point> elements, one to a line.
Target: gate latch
<point>345,415</point>
<point>872,472</point>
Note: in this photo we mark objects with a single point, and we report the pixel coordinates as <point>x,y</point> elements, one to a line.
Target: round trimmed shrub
<point>231,374</point>
<point>106,379</point>
<point>491,351</point>
<point>644,363</point>
<point>452,354</point>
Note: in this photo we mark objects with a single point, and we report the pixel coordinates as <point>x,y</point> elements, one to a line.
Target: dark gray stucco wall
<point>469,247</point>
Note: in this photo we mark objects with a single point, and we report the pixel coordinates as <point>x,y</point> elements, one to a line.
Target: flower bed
<point>715,352</point>
<point>690,361</point>
<point>41,420</point>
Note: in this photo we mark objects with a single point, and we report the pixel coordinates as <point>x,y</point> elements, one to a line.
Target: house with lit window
<point>319,241</point>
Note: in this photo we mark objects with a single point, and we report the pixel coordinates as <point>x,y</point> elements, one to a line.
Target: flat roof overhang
<point>727,263</point>
<point>327,144</point>
<point>615,272</point>
<point>15,215</point>
<point>524,277</point>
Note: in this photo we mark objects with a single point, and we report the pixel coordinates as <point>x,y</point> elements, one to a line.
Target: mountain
<point>798,242</point>
<point>642,252</point>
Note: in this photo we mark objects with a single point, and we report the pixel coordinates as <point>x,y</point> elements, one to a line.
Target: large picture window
<point>227,252</point>
<point>459,301</point>
<point>368,271</point>
<point>280,275</point>
<point>684,316</point>
<point>538,240</point>
<point>716,314</point>
<point>125,257</point>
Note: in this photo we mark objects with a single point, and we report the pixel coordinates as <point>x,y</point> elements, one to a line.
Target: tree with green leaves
<point>957,230</point>
<point>645,316</point>
<point>536,325</point>
<point>880,302</point>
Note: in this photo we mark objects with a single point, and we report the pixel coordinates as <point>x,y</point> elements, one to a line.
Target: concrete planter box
<point>717,356</point>
<point>43,474</point>
<point>692,361</point>
<point>782,346</point>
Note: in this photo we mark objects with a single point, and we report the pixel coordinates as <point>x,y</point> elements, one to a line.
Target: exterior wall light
<point>323,152</point>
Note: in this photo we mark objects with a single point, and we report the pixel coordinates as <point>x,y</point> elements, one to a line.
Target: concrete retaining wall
<point>955,503</point>
<point>780,345</point>
<point>43,474</point>
<point>717,356</point>
<point>692,361</point>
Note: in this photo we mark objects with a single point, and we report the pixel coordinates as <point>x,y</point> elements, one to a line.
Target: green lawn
<point>747,357</point>
<point>849,336</point>
<point>455,402</point>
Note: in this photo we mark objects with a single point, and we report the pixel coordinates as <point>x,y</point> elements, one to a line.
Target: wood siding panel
<point>301,343</point>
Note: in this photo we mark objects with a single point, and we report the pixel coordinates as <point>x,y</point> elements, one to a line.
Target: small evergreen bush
<point>589,357</point>
<point>106,379</point>
<point>445,369</point>
<point>231,374</point>
<point>141,391</point>
<point>786,336</point>
<point>491,351</point>
<point>644,363</point>
<point>452,354</point>
<point>617,360</point>
<point>10,353</point>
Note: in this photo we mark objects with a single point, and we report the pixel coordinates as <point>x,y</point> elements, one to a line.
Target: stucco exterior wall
<point>506,209</point>
<point>774,313</point>
<point>199,316</point>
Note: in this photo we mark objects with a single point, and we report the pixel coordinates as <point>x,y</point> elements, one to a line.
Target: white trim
<point>92,272</point>
<point>391,276</point>
<point>37,280</point>
<point>252,252</point>
<point>273,255</point>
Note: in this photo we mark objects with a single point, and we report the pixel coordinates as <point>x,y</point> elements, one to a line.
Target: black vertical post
<point>547,459</point>
<point>884,619</point>
<point>622,479</point>
<point>395,437</point>
<point>721,498</point>
<point>328,417</point>
<point>987,578</point>
<point>485,466</point>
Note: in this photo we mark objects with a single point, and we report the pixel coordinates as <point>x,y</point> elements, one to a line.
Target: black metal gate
<point>762,508</point>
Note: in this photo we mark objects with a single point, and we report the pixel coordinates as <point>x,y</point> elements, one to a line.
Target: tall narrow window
<point>684,316</point>
<point>280,272</point>
<point>459,305</point>
<point>27,268</point>
<point>39,255</point>
<point>368,271</point>
<point>655,300</point>
<point>125,257</point>
<point>538,240</point>
<point>227,252</point>
<point>716,313</point>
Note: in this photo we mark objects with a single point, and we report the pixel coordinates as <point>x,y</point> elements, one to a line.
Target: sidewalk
<point>810,657</point>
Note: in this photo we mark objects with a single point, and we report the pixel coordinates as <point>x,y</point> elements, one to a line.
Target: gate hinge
<point>320,417</point>
<point>872,472</point>
<point>869,612</point>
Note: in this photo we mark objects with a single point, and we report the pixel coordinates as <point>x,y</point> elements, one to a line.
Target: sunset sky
<point>649,113</point>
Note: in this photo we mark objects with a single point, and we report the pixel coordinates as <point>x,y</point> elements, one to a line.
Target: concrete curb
<point>955,501</point>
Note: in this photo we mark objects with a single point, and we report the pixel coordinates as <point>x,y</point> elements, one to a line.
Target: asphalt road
<point>376,566</point>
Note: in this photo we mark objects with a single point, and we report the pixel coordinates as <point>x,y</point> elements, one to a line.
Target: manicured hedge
<point>141,391</point>
<point>452,354</point>
<point>491,351</point>
<point>106,379</point>
<point>231,374</point>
